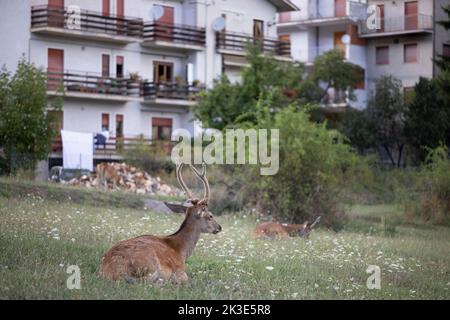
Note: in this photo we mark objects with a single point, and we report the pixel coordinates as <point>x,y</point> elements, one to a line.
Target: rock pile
<point>120,176</point>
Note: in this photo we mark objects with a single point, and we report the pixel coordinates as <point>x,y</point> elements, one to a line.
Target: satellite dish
<point>156,12</point>
<point>346,39</point>
<point>219,24</point>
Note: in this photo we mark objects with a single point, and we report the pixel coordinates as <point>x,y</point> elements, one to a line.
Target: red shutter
<point>411,10</point>
<point>382,55</point>
<point>340,8</point>
<point>55,68</point>
<point>410,53</point>
<point>56,3</point>
<point>105,65</point>
<point>106,8</point>
<point>381,17</point>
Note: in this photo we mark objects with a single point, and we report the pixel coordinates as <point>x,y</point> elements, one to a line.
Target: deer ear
<point>176,207</point>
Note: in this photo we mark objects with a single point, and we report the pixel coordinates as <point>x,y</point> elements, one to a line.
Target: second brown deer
<point>274,230</point>
<point>152,258</point>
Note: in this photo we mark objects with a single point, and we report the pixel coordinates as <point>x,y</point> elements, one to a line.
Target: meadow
<point>41,237</point>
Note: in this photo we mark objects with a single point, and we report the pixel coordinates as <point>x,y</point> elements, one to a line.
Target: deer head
<point>196,209</point>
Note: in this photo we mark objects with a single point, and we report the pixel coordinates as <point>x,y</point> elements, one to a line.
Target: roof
<point>284,5</point>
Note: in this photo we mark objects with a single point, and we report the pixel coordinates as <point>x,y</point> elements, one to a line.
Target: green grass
<point>40,238</point>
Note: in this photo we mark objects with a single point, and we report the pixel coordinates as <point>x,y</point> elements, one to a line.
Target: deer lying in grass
<point>163,257</point>
<point>273,230</point>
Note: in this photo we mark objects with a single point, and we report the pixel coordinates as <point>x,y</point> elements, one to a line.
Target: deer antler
<point>181,181</point>
<point>202,176</point>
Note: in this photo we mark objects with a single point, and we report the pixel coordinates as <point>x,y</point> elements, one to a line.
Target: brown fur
<point>107,172</point>
<point>151,257</point>
<point>273,230</point>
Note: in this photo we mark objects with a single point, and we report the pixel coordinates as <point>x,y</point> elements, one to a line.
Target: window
<point>163,71</point>
<point>340,8</point>
<point>410,53</point>
<point>380,11</point>
<point>446,50</point>
<point>105,65</point>
<point>105,122</point>
<point>119,125</point>
<point>382,55</point>
<point>106,8</point>
<point>119,66</point>
<point>258,29</point>
<point>55,65</point>
<point>411,17</point>
<point>162,129</point>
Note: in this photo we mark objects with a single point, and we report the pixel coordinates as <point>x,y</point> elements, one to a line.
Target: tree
<point>231,104</point>
<point>25,133</point>
<point>356,126</point>
<point>427,118</point>
<point>330,70</point>
<point>386,116</point>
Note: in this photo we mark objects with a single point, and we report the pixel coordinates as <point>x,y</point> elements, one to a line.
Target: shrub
<point>150,158</point>
<point>314,162</point>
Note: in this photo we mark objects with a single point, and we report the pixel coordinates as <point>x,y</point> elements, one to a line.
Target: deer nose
<point>218,229</point>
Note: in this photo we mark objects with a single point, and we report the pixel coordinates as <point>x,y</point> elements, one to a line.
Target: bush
<point>314,163</point>
<point>150,158</point>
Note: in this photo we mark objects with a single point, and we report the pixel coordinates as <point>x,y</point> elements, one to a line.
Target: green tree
<point>357,127</point>
<point>330,70</point>
<point>386,117</point>
<point>25,133</point>
<point>427,118</point>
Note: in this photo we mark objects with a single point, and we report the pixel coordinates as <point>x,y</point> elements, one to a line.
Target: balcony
<point>91,25</point>
<point>236,44</point>
<point>414,24</point>
<point>170,94</point>
<point>173,36</point>
<point>86,85</point>
<point>312,18</point>
<point>114,146</point>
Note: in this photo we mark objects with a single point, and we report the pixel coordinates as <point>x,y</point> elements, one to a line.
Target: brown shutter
<point>339,8</point>
<point>411,10</point>
<point>55,68</point>
<point>106,8</point>
<point>410,53</point>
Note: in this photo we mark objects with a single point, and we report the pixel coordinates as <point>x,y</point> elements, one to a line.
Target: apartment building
<point>403,42</point>
<point>134,67</point>
<point>319,26</point>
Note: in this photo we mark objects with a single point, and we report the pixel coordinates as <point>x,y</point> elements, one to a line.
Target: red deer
<point>273,230</point>
<point>151,258</point>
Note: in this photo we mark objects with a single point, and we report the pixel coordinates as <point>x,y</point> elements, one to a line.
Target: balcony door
<point>411,19</point>
<point>164,25</point>
<point>106,8</point>
<point>258,33</point>
<point>163,72</point>
<point>340,8</point>
<point>55,68</point>
<point>162,129</point>
<point>56,13</point>
<point>120,13</point>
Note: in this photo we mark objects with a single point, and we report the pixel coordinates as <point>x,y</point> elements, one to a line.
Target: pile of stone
<point>121,176</point>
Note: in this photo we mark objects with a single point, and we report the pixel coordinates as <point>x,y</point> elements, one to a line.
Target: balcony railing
<point>85,82</point>
<point>238,42</point>
<point>410,23</point>
<point>114,145</point>
<point>94,22</point>
<point>182,34</point>
<point>169,90</point>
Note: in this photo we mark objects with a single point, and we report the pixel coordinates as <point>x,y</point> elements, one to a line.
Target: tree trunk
<point>400,153</point>
<point>389,154</point>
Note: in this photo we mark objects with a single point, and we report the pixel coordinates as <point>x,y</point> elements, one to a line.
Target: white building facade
<point>134,67</point>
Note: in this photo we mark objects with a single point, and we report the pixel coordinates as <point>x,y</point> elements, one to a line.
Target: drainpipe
<point>434,38</point>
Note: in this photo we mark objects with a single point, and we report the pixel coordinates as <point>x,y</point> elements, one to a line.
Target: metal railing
<point>90,21</point>
<point>170,90</point>
<point>399,24</point>
<point>176,33</point>
<point>238,42</point>
<point>86,82</point>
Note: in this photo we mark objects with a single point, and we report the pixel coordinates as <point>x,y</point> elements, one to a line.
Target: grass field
<point>40,238</point>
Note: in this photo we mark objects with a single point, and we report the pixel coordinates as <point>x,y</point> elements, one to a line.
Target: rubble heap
<point>121,176</point>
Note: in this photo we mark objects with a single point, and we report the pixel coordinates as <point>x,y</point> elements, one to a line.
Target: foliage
<point>427,118</point>
<point>330,70</point>
<point>444,62</point>
<point>150,158</point>
<point>356,126</point>
<point>25,132</point>
<point>386,115</point>
<point>313,163</point>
